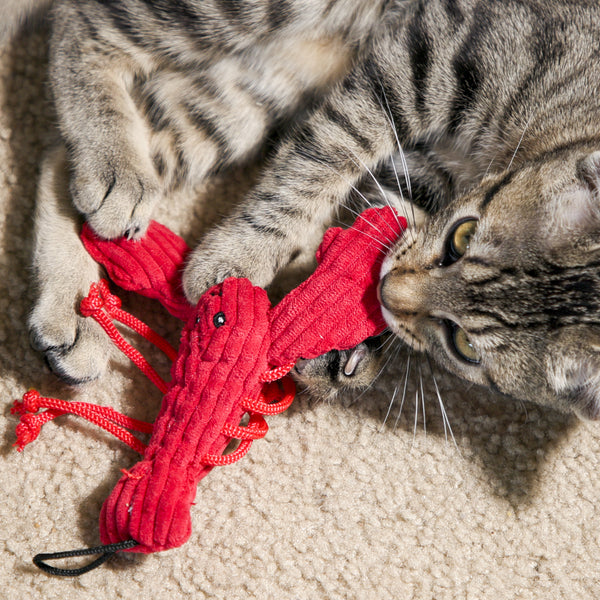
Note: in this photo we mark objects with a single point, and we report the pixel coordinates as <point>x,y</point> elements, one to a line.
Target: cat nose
<point>400,293</point>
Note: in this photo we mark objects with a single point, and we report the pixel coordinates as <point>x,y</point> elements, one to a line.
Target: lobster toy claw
<point>234,354</point>
<point>337,308</point>
<point>151,267</point>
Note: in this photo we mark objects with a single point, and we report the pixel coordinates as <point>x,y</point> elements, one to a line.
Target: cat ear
<point>589,169</point>
<point>577,209</point>
<point>573,370</point>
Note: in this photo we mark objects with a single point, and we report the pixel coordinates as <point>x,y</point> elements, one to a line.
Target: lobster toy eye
<point>219,319</point>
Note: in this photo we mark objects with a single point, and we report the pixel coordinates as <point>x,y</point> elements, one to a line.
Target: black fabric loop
<point>105,552</point>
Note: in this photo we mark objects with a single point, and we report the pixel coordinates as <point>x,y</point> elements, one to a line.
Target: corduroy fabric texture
<point>217,367</point>
<point>337,307</point>
<point>222,355</point>
<point>152,269</point>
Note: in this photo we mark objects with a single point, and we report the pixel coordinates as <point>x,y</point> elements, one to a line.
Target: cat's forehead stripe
<point>494,189</point>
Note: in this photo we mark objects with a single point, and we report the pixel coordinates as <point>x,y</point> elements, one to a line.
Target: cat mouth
<point>400,330</point>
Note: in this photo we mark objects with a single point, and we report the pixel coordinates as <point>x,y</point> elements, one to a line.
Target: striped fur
<point>494,107</point>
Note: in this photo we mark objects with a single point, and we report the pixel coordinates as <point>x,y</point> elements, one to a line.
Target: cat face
<point>502,287</point>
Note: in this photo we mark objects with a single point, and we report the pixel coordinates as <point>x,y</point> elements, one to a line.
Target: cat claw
<point>358,354</point>
<point>74,349</point>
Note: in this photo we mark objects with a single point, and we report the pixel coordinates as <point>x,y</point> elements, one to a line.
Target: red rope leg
<point>274,398</point>
<point>112,305</point>
<point>101,305</point>
<point>107,418</point>
<point>100,300</point>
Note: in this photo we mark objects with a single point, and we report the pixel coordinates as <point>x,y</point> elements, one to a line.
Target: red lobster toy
<point>234,355</point>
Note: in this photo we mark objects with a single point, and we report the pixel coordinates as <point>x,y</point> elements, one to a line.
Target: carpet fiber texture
<point>337,501</point>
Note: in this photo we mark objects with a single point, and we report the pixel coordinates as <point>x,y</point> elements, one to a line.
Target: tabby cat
<point>483,113</point>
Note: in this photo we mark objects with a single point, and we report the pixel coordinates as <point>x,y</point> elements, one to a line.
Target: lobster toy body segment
<point>224,342</point>
<point>234,354</point>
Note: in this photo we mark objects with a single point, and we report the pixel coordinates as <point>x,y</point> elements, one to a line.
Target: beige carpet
<point>332,504</point>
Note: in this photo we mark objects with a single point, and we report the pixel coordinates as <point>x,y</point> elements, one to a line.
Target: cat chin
<point>398,331</point>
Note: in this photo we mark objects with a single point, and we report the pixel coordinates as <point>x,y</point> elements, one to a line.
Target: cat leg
<point>308,180</point>
<point>112,179</point>
<point>76,348</point>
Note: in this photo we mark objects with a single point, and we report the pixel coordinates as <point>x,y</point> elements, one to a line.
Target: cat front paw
<point>76,349</point>
<point>339,371</point>
<point>223,254</point>
<point>115,197</point>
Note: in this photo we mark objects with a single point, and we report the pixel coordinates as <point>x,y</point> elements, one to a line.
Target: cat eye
<point>461,343</point>
<point>458,240</point>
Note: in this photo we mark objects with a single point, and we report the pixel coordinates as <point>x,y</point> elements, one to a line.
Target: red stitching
<point>130,475</point>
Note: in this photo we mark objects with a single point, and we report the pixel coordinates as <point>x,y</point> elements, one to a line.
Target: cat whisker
<point>393,241</point>
<point>416,420</point>
<point>346,181</point>
<point>359,214</point>
<point>389,410</point>
<point>386,201</point>
<point>490,165</point>
<point>406,176</point>
<point>389,341</point>
<point>366,200</point>
<point>419,391</point>
<point>520,141</point>
<point>377,183</point>
<point>355,189</point>
<point>401,207</point>
<point>445,420</point>
<point>403,389</point>
<point>393,354</point>
<point>422,397</point>
<point>388,248</point>
<point>390,118</point>
<point>379,242</point>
